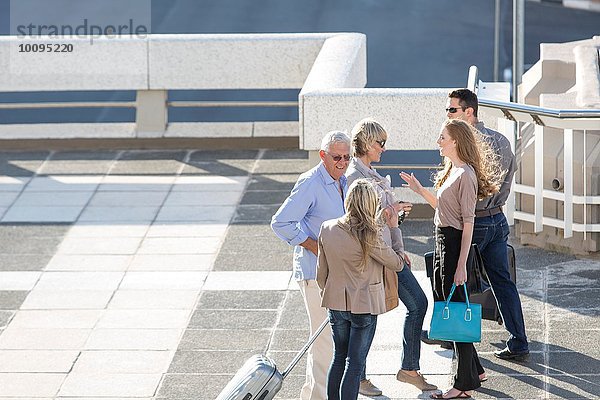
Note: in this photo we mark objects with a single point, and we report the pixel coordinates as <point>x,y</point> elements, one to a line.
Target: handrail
<point>200,104</point>
<point>538,111</point>
<point>69,104</point>
<point>132,104</point>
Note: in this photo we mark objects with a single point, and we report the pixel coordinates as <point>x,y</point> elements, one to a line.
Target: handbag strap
<point>467,296</point>
<point>446,312</point>
<point>468,313</point>
<point>453,288</point>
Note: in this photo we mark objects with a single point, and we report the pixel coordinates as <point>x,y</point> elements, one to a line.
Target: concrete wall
<point>330,68</point>
<point>248,61</point>
<point>159,63</point>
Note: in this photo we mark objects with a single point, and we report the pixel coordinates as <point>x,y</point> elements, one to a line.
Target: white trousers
<point>320,353</point>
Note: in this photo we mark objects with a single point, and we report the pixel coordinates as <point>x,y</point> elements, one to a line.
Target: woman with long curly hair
<point>470,172</point>
<point>352,255</point>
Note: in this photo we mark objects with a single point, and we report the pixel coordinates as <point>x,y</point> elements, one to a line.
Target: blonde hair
<point>474,150</point>
<point>364,134</point>
<point>363,218</point>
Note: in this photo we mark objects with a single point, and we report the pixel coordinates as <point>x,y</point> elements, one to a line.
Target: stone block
<point>223,339</point>
<point>209,130</point>
<point>5,317</point>
<point>255,213</point>
<point>233,261</point>
<point>263,60</point>
<point>15,164</point>
<point>535,365</point>
<point>567,386</point>
<point>37,361</point>
<point>247,280</point>
<point>282,360</point>
<point>192,386</point>
<point>68,131</point>
<point>341,109</point>
<point>234,168</point>
<point>12,299</point>
<point>283,182</point>
<point>275,129</point>
<point>132,339</point>
<point>109,385</point>
<point>210,362</point>
<point>233,319</point>
<point>513,387</point>
<point>30,384</point>
<point>105,64</point>
<point>574,274</point>
<point>241,299</point>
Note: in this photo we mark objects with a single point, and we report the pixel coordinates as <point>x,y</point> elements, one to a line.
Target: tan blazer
<point>343,286</point>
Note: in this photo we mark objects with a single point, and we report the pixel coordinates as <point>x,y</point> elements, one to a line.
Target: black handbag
<point>477,280</point>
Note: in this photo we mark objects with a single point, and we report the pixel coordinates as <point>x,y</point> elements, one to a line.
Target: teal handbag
<point>456,321</point>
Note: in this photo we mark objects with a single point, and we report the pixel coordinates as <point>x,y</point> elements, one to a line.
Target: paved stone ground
<point>154,274</point>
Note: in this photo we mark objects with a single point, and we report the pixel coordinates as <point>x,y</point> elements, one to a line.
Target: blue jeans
<point>413,297</point>
<point>491,235</point>
<point>352,337</point>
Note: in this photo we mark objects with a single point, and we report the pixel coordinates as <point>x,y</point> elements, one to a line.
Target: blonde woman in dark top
<point>470,173</point>
<point>368,144</point>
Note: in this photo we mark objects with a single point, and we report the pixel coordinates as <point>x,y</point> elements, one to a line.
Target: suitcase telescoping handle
<point>292,364</point>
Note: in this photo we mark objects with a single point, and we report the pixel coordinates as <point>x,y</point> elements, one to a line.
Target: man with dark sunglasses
<point>491,228</point>
<point>317,196</point>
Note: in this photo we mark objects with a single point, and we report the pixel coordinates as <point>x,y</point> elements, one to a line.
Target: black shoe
<point>447,345</point>
<point>506,354</point>
<point>425,339</point>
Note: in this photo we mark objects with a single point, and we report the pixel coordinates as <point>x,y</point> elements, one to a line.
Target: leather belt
<point>489,212</point>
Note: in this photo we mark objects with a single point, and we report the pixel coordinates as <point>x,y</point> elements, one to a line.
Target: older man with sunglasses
<point>491,228</point>
<point>317,196</point>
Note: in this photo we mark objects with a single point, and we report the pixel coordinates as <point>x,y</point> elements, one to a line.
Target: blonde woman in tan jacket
<point>351,258</point>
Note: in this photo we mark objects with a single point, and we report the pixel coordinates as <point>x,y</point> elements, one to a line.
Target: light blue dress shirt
<point>314,199</point>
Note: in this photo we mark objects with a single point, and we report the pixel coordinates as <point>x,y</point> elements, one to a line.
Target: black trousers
<point>447,252</point>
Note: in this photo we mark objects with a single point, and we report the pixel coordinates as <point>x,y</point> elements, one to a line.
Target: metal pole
<point>497,42</point>
<point>518,46</point>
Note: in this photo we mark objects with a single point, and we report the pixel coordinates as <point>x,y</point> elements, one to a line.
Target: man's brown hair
<point>466,99</point>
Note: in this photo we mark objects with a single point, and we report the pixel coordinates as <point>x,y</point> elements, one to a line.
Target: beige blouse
<point>457,198</point>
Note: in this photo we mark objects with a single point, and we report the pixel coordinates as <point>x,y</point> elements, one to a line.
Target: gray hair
<point>334,137</point>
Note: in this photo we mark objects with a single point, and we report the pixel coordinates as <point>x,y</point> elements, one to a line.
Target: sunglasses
<point>346,157</point>
<point>452,110</point>
<point>381,143</point>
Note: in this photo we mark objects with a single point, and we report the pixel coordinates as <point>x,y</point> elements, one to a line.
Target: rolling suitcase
<point>259,378</point>
<point>487,299</point>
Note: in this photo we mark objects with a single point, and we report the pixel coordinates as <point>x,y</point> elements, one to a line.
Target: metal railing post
<point>568,182</point>
<point>518,46</point>
<point>539,179</point>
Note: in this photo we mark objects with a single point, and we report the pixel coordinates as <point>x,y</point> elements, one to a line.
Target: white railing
<point>585,122</point>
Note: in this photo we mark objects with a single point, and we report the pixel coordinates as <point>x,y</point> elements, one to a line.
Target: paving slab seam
<point>277,321</point>
<point>546,321</point>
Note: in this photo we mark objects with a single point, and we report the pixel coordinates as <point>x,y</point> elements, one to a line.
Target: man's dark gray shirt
<point>506,157</point>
